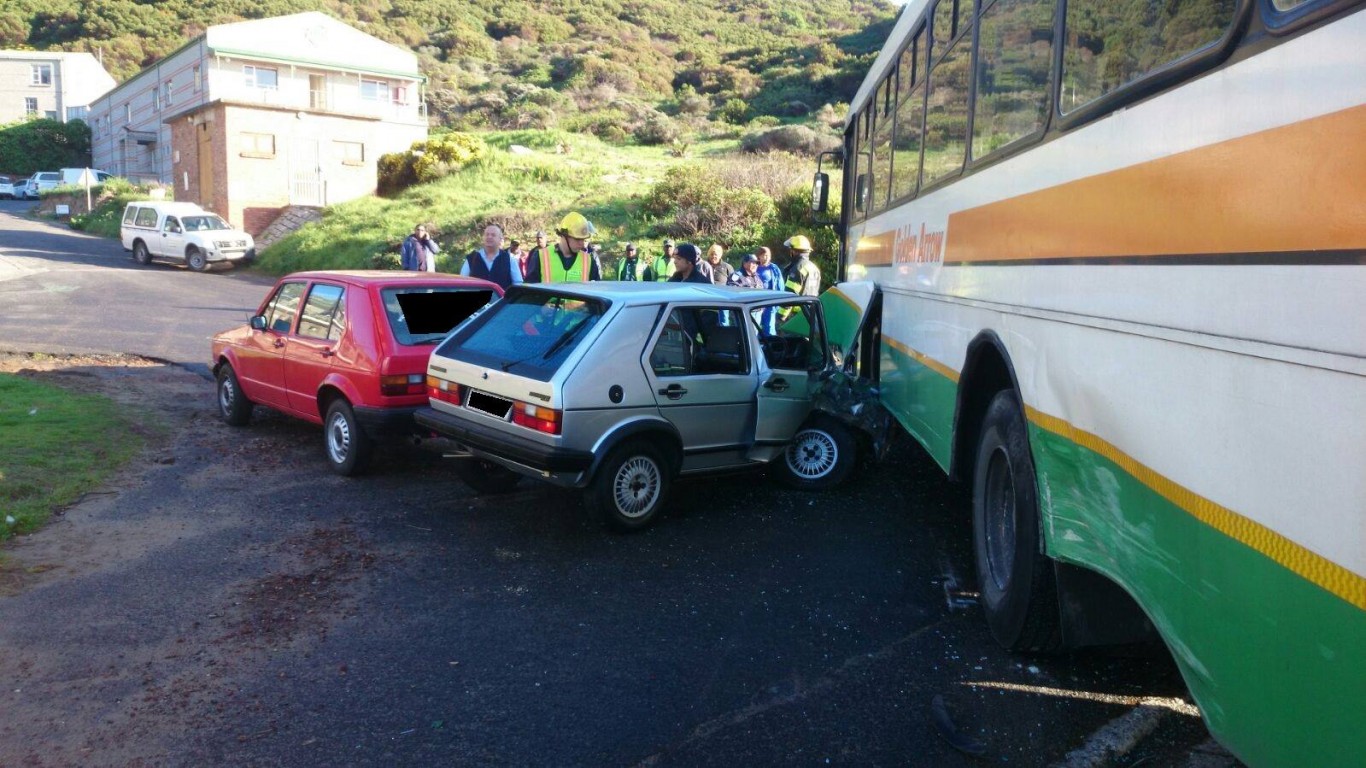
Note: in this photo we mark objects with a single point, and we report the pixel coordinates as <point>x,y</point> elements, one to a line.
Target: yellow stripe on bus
<point>1273,191</point>
<point>1309,565</point>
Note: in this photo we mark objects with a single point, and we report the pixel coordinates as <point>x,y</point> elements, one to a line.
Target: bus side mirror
<point>820,192</point>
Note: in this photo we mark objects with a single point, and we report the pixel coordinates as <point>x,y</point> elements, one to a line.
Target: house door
<point>306,174</point>
<point>205,149</point>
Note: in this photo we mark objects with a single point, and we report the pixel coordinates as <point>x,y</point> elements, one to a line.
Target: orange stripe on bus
<point>1294,188</point>
<point>875,250</point>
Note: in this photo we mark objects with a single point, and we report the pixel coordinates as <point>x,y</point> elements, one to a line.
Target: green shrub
<point>733,111</point>
<point>658,129</point>
<point>797,139</point>
<point>446,153</point>
<point>694,201</point>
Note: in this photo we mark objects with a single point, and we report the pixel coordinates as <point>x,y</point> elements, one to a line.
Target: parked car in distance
<point>72,176</point>
<point>7,185</point>
<point>618,388</point>
<point>182,233</point>
<point>41,182</point>
<point>347,350</point>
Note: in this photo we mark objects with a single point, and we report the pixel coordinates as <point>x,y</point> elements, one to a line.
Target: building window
<point>156,100</point>
<point>50,114</point>
<point>260,77</point>
<point>41,74</point>
<point>166,90</point>
<point>317,91</point>
<point>350,152</point>
<point>374,90</point>
<point>128,113</point>
<point>258,145</point>
<point>198,80</point>
<point>30,105</point>
<point>401,94</point>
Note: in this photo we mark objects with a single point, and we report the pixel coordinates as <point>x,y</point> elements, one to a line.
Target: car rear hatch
<point>418,318</point>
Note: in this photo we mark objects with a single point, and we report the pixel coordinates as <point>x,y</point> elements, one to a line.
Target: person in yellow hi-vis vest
<point>568,260</point>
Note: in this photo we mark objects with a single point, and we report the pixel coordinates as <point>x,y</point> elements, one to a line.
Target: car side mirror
<point>258,323</point>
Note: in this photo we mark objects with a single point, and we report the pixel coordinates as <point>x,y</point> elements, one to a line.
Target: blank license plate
<point>494,406</point>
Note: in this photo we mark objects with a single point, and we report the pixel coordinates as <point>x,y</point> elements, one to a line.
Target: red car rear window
<point>424,315</point>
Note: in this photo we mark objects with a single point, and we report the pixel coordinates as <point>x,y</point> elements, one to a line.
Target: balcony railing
<point>332,100</point>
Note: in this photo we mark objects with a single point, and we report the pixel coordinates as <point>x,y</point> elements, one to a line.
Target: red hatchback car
<point>347,350</point>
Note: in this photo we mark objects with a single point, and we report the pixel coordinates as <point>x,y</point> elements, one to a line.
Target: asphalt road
<point>233,603</point>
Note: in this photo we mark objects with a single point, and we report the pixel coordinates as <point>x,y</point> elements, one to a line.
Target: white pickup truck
<point>182,233</point>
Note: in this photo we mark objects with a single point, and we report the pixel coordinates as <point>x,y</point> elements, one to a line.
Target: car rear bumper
<point>562,466</point>
<point>386,422</point>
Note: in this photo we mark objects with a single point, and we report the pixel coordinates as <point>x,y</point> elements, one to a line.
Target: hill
<point>606,67</point>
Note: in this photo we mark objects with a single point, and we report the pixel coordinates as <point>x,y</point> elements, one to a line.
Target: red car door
<point>311,352</point>
<point>260,359</point>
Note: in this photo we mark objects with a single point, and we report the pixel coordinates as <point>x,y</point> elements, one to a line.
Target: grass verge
<point>55,445</point>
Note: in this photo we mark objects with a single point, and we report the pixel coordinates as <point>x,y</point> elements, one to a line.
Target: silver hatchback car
<point>618,388</point>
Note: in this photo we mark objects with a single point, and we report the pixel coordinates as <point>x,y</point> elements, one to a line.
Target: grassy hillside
<point>631,193</point>
<point>601,66</point>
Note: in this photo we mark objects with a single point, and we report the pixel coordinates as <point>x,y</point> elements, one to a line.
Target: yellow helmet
<point>798,243</point>
<point>576,226</point>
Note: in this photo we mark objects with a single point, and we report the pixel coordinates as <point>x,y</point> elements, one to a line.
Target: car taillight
<point>402,384</point>
<point>535,417</point>
<point>445,391</point>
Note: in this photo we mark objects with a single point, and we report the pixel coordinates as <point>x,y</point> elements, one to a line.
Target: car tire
<point>630,488</point>
<point>1015,578</point>
<point>486,476</point>
<point>820,456</point>
<point>140,253</point>
<point>196,259</point>
<point>346,445</point>
<point>233,406</point>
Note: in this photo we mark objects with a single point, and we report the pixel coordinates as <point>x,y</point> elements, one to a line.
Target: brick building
<point>258,115</point>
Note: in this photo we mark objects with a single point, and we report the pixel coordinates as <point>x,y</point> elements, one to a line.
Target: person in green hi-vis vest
<point>662,267</point>
<point>632,267</point>
<point>568,260</point>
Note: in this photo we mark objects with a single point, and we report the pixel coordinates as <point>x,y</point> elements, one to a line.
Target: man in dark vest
<point>492,262</point>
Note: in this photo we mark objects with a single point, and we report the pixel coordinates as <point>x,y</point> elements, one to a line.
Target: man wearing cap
<point>802,276</point>
<point>492,262</point>
<point>631,268</point>
<point>686,257</point>
<point>662,268</point>
<point>568,261</point>
<point>747,276</point>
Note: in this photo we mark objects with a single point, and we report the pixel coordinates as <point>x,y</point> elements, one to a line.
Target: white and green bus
<point>1109,258</point>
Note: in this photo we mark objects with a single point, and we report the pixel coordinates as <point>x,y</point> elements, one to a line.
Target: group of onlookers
<point>572,258</point>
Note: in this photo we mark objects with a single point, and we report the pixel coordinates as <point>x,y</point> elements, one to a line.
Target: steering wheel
<point>777,350</point>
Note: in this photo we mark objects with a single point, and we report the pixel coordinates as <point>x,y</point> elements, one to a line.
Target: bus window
<point>1111,43</point>
<point>910,116</point>
<point>943,28</point>
<point>882,143</point>
<point>864,160</point>
<point>1014,56</point>
<point>946,114</point>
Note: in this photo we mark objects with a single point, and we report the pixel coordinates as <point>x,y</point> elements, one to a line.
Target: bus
<point>1106,262</point>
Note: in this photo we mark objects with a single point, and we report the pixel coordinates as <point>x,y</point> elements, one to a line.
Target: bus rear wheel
<point>1015,578</point>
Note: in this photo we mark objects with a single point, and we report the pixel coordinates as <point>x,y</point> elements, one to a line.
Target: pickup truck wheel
<point>140,253</point>
<point>196,259</point>
<point>233,406</point>
<point>348,448</point>
<point>820,456</point>
<point>630,487</point>
<point>486,476</point>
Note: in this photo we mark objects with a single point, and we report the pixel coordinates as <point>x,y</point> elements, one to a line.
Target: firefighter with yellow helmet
<point>568,260</point>
<point>801,276</point>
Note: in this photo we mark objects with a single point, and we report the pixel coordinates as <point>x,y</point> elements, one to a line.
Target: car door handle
<point>673,391</point>
<point>327,353</point>
<point>776,384</point>
<point>279,343</point>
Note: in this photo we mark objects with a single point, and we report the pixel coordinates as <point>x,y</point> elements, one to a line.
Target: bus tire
<point>1015,578</point>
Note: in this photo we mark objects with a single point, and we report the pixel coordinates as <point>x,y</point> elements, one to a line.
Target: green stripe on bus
<point>1275,661</point>
<point>922,397</point>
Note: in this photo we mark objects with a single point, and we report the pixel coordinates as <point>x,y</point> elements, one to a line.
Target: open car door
<point>848,308</point>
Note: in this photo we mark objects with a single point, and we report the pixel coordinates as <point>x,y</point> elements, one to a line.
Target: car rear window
<point>425,314</point>
<point>529,333</point>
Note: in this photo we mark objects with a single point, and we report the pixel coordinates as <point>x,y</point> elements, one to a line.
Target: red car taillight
<point>445,391</point>
<point>402,384</point>
<point>535,417</point>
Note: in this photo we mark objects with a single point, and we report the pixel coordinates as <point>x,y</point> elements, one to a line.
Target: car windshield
<point>204,223</point>
<point>530,333</point>
<point>422,314</point>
